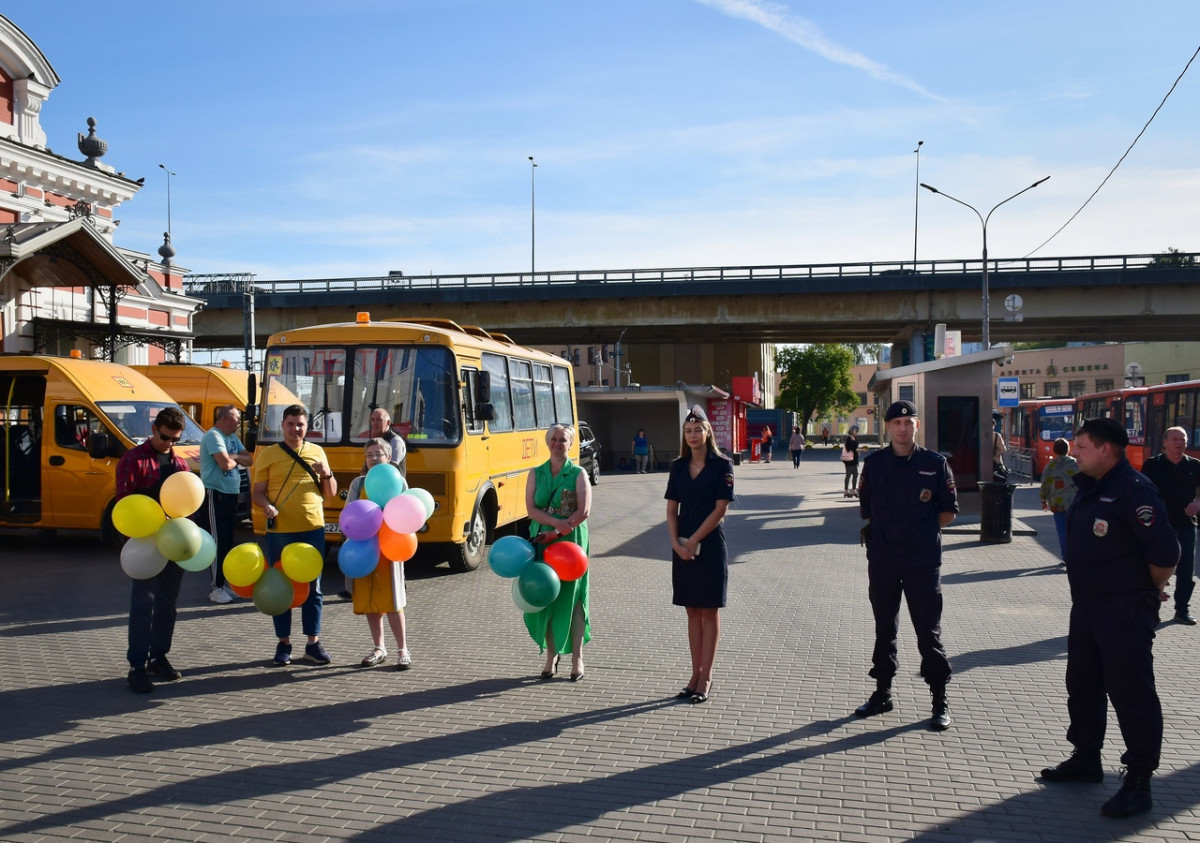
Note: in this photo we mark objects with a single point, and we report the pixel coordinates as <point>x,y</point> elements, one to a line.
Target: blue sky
<point>317,139</point>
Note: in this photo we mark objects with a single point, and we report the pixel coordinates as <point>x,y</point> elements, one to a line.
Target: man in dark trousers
<point>143,470</point>
<point>907,494</point>
<point>1177,477</point>
<point>1120,553</point>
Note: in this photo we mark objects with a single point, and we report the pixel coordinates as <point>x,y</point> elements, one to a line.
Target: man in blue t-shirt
<point>221,452</point>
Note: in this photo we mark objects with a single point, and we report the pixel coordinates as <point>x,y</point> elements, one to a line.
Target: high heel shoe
<point>702,696</point>
<point>549,674</point>
<point>575,677</point>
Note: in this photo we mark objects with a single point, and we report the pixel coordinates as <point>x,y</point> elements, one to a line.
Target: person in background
<point>825,435</point>
<point>698,494</point>
<point>291,482</point>
<point>1121,551</point>
<point>381,428</point>
<point>907,495</point>
<point>558,499</point>
<point>767,441</point>
<point>1058,490</point>
<point>641,451</point>
<point>1177,477</point>
<point>143,470</point>
<point>221,452</point>
<point>382,591</point>
<point>850,461</point>
<point>796,446</point>
<point>999,449</point>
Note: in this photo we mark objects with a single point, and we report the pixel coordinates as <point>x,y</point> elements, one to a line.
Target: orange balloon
<point>398,547</point>
<point>246,591</point>
<point>299,593</point>
<point>567,559</point>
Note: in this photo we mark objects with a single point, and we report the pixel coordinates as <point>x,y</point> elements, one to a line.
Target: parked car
<point>589,453</point>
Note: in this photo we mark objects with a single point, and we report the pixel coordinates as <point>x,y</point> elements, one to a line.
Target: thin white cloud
<point>781,21</point>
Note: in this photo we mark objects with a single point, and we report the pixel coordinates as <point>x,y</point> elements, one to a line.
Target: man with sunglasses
<point>143,470</point>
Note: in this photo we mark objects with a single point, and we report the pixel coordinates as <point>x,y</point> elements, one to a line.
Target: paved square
<point>468,745</point>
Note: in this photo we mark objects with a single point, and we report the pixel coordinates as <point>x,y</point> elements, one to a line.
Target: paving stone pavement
<point>468,745</point>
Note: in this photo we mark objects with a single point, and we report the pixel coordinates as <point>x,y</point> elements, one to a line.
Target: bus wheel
<point>469,555</point>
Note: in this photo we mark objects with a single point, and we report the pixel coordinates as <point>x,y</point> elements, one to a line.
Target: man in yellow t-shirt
<point>291,481</point>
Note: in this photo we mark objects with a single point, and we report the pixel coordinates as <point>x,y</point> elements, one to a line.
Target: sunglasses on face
<point>171,439</point>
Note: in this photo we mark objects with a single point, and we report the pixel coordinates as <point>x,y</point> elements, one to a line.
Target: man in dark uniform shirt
<point>907,494</point>
<point>1120,552</point>
<point>1177,477</point>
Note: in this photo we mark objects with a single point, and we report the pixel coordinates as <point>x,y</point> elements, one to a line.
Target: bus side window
<point>71,427</point>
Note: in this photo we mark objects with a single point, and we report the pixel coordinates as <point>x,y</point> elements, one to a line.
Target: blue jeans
<point>152,615</point>
<point>1184,573</point>
<point>310,609</point>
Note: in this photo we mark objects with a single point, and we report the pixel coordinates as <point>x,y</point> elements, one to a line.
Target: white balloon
<point>141,559</point>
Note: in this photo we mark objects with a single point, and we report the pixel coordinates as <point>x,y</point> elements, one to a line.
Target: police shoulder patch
<point>728,479</point>
<point>1145,514</point>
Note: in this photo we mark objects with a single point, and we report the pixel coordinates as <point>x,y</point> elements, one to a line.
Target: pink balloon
<point>404,514</point>
<point>360,519</point>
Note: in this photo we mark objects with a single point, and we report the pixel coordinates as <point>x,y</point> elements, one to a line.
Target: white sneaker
<point>220,595</point>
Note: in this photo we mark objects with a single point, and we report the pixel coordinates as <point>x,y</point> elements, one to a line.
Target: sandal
<point>404,660</point>
<point>377,656</point>
<point>549,674</point>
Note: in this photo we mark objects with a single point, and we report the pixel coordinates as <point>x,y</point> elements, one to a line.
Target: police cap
<point>1105,430</point>
<point>899,410</point>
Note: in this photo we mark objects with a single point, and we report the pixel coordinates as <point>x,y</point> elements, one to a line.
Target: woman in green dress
<point>559,499</point>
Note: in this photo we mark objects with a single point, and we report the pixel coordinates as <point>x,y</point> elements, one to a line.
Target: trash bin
<point>755,450</point>
<point>995,522</point>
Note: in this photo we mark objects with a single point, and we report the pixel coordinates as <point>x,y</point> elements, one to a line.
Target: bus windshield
<point>416,384</point>
<point>1057,422</point>
<point>136,420</point>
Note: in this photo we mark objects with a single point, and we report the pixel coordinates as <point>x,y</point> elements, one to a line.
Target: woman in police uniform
<point>698,494</point>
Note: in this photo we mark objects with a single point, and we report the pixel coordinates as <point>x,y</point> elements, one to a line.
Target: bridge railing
<point>200,284</point>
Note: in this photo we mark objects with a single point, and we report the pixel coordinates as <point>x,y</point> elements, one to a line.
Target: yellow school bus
<point>64,424</point>
<point>472,406</point>
<point>201,390</point>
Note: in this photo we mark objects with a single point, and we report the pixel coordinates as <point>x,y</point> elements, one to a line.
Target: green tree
<point>816,380</point>
<point>1172,257</point>
<point>866,352</point>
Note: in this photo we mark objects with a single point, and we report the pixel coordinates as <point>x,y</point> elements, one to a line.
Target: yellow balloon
<point>181,495</point>
<point>301,562</point>
<point>244,564</point>
<point>138,516</point>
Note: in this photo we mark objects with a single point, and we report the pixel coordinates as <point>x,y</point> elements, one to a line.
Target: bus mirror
<point>485,412</point>
<point>483,388</point>
<point>98,446</point>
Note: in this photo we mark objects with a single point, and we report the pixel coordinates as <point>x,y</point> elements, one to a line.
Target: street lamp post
<point>169,174</point>
<point>983,220</point>
<point>917,202</point>
<point>532,218</point>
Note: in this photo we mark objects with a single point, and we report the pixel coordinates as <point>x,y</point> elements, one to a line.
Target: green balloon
<point>273,592</point>
<point>179,539</point>
<point>538,584</point>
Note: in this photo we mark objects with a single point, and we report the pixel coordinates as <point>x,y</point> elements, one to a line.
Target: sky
<point>357,137</point>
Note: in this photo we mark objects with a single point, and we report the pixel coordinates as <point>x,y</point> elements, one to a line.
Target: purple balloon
<point>360,520</point>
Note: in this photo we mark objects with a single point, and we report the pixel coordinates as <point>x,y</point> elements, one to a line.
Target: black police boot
<point>940,721</point>
<point>879,702</point>
<point>1134,796</point>
<point>1080,767</point>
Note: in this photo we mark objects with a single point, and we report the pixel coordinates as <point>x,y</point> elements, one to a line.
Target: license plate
<point>333,528</point>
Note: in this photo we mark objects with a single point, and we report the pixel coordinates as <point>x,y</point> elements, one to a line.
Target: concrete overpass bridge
<point>1114,297</point>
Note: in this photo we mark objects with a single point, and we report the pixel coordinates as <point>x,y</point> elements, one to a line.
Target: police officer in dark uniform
<point>907,494</point>
<point>1120,552</point>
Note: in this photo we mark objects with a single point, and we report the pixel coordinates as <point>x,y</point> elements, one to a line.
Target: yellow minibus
<point>472,406</point>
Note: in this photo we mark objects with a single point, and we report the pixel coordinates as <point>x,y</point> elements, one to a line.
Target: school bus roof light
<point>363,317</point>
<point>76,354</point>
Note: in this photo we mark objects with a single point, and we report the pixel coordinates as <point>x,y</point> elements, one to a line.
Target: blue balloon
<point>538,584</point>
<point>509,555</point>
<point>383,482</point>
<point>358,558</point>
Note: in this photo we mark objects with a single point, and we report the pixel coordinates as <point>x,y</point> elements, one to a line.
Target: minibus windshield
<point>136,420</point>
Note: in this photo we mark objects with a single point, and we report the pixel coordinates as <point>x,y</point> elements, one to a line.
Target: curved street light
<point>532,219</point>
<point>983,220</point>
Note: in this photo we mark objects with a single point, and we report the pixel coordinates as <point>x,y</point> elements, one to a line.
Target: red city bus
<point>1148,411</point>
<point>1127,405</point>
<point>1035,424</point>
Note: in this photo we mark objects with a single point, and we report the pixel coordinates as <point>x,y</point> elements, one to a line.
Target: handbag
<point>847,455</point>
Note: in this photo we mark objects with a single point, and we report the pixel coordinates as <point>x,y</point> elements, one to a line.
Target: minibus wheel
<point>469,555</point>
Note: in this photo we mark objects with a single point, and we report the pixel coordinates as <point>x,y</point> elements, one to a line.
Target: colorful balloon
<point>358,558</point>
<point>360,519</point>
<point>141,559</point>
<point>539,584</point>
<point>138,516</point>
<point>181,495</point>
<point>246,591</point>
<point>521,603</point>
<point>244,564</point>
<point>383,482</point>
<point>179,538</point>
<point>273,592</point>
<point>204,556</point>
<point>301,562</point>
<point>404,514</point>
<point>399,547</point>
<point>509,555</point>
<point>299,593</point>
<point>567,559</point>
<point>426,499</point>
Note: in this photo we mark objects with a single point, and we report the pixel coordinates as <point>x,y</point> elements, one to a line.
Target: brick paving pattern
<point>468,745</point>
